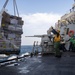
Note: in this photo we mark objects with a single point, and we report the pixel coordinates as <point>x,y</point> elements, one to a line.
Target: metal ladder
<point>35,47</point>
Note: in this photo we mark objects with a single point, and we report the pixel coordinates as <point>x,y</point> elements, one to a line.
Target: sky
<point>38,15</point>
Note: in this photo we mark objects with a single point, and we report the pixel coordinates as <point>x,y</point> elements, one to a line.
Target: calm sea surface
<point>28,48</point>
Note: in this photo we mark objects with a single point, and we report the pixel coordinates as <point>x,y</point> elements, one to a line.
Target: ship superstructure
<point>65,24</point>
<point>67,21</point>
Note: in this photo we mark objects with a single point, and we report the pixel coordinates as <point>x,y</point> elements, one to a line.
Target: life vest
<point>72,39</point>
<point>57,39</point>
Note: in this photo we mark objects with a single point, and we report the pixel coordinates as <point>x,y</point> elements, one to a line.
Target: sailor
<point>72,40</point>
<point>57,44</point>
<point>56,40</point>
<point>62,44</point>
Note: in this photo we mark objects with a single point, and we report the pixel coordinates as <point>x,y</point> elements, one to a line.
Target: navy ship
<point>48,65</point>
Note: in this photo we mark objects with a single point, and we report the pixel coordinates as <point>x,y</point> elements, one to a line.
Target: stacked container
<point>10,33</point>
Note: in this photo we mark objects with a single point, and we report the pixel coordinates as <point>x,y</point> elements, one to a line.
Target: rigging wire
<point>15,8</point>
<point>16,12</point>
<point>5,4</point>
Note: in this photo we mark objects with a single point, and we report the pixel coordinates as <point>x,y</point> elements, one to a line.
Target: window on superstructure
<point>67,30</point>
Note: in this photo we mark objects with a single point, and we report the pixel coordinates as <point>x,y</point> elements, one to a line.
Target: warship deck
<point>46,65</point>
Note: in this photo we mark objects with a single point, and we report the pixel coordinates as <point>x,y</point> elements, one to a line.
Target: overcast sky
<point>38,15</point>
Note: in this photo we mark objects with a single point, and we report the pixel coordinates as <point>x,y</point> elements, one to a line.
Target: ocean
<point>28,48</point>
<point>24,50</point>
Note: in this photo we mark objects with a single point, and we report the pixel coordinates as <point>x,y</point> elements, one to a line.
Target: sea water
<point>28,48</point>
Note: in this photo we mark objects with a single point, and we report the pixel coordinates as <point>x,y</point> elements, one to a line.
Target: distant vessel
<point>10,31</point>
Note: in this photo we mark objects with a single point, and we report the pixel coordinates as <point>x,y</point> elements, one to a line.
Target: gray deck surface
<point>47,65</point>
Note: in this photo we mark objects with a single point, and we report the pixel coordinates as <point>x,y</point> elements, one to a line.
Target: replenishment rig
<point>10,30</point>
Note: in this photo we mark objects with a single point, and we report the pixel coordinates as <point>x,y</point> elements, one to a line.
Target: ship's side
<point>67,21</point>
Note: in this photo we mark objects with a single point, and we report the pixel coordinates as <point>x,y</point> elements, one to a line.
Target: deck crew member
<point>62,44</point>
<point>57,44</point>
<point>72,40</point>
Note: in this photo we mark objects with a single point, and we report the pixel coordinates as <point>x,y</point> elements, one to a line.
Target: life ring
<point>71,31</point>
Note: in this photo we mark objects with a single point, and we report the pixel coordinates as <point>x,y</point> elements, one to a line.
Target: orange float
<point>71,31</point>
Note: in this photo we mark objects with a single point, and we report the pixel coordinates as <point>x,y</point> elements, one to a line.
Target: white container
<point>19,26</point>
<point>13,21</point>
<point>11,27</point>
<point>11,35</point>
<point>18,29</point>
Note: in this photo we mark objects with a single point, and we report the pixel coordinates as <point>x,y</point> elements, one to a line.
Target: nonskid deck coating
<point>47,65</point>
